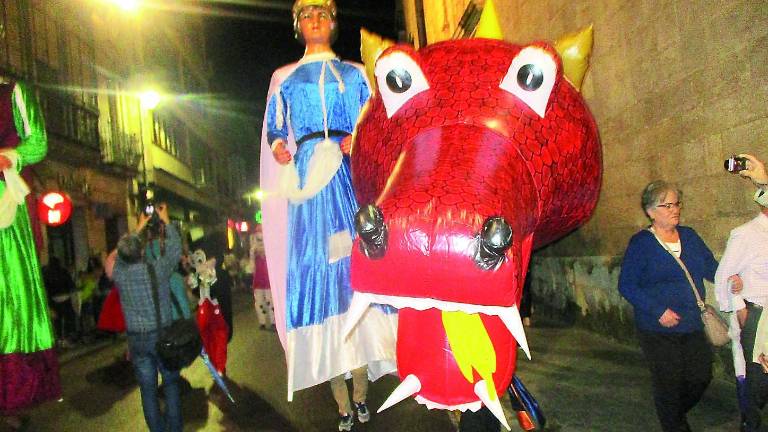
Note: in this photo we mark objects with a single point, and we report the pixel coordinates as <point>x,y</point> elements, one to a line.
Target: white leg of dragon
<point>410,386</point>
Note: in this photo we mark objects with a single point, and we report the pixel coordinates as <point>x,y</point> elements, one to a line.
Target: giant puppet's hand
<point>346,144</point>
<point>280,153</point>
<point>5,163</point>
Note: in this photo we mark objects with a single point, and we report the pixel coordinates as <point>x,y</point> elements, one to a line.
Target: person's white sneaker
<point>346,423</point>
<point>363,415</point>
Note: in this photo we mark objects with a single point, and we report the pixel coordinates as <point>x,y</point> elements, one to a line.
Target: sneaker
<point>363,415</point>
<point>346,423</point>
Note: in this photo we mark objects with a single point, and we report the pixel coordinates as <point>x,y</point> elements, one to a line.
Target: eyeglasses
<point>669,206</point>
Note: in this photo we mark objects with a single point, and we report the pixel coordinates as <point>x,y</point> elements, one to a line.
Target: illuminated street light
<point>259,195</point>
<point>127,5</point>
<point>149,99</point>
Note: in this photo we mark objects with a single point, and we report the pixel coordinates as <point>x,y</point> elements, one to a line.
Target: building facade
<point>88,62</point>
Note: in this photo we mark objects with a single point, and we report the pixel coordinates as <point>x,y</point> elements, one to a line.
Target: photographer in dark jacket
<point>132,276</point>
<point>59,285</point>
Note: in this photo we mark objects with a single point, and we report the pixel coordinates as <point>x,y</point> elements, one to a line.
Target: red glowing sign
<point>54,209</point>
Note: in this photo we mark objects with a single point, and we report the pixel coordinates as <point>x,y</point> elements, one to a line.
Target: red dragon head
<point>471,153</point>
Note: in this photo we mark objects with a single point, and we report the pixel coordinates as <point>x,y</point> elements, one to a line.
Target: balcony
<point>119,148</point>
<point>70,121</point>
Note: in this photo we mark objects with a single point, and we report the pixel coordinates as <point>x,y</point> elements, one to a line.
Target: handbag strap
<point>155,296</point>
<point>176,305</point>
<point>699,302</point>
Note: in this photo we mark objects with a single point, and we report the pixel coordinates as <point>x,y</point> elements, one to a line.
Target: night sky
<point>248,41</point>
<point>244,49</point>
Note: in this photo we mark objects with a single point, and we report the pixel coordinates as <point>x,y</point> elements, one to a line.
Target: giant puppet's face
<point>316,25</point>
<point>471,154</point>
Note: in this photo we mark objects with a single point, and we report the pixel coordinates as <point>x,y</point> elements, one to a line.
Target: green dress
<point>29,371</point>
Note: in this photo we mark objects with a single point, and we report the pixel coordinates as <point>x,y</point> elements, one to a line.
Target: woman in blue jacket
<point>668,320</point>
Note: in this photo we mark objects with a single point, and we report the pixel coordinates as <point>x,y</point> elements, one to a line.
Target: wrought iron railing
<point>119,148</point>
<point>69,120</point>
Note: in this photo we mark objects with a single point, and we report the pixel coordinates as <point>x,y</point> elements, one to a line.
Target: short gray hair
<point>130,248</point>
<point>655,191</point>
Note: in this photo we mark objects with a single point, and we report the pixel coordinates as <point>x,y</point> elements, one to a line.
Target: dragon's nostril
<point>494,239</point>
<point>369,224</point>
<point>497,234</point>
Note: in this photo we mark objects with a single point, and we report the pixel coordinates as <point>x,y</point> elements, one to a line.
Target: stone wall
<point>675,87</point>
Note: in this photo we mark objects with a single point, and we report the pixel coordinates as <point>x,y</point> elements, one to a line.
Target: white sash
<point>15,190</point>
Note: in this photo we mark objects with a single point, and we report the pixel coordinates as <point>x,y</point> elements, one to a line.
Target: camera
<point>735,164</point>
<point>154,222</point>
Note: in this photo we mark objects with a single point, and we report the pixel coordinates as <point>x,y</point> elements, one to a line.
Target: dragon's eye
<point>531,78</point>
<point>399,79</point>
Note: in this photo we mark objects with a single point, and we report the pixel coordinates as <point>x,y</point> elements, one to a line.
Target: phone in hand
<point>735,164</point>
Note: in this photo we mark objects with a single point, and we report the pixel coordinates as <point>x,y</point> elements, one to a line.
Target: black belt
<point>313,135</point>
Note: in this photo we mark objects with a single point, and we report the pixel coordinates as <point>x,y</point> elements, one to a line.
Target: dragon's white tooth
<point>493,404</point>
<point>511,318</point>
<point>410,386</point>
<point>357,309</point>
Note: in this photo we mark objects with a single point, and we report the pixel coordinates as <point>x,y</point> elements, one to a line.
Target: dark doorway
<point>61,244</point>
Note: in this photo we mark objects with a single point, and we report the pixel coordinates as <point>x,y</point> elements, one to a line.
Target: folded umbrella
<point>216,376</point>
<point>529,414</point>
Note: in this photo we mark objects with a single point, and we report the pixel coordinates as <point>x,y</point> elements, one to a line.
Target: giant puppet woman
<point>309,206</point>
<point>28,366</point>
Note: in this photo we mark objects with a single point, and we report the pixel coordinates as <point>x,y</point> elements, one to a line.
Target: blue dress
<point>316,289</point>
<point>317,285</point>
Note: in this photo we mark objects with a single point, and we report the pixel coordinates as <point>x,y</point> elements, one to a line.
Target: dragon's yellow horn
<point>489,27</point>
<point>575,50</point>
<point>371,47</point>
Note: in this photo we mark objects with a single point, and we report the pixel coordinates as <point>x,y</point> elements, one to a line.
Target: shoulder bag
<point>179,344</point>
<point>715,326</point>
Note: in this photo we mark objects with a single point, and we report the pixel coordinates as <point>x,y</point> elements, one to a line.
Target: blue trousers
<point>146,365</point>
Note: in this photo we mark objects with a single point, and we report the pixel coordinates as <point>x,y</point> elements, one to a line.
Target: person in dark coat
<point>60,286</point>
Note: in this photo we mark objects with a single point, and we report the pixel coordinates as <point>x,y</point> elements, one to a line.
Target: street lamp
<point>149,99</point>
<point>127,5</point>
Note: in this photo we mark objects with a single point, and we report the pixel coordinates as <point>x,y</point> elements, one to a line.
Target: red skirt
<point>260,275</point>
<point>112,318</point>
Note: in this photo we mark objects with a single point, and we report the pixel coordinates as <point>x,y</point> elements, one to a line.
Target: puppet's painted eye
<point>531,78</point>
<point>399,79</point>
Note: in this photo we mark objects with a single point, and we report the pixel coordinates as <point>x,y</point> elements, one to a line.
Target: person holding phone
<point>131,274</point>
<point>750,167</point>
<point>741,285</point>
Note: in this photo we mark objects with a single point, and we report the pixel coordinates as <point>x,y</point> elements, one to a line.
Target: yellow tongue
<point>471,346</point>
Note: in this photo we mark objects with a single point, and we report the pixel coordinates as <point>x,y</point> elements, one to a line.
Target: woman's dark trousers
<point>681,369</point>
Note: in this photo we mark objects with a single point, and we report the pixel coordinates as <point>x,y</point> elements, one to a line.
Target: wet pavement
<point>583,382</point>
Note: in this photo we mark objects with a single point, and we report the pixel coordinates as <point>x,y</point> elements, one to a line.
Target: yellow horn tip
<point>489,26</point>
<point>575,50</point>
<point>371,47</point>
